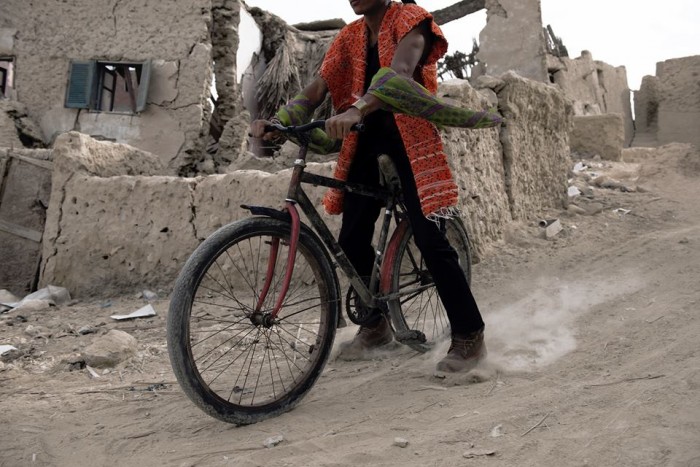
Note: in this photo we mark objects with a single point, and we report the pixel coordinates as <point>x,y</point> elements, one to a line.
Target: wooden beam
<point>48,165</point>
<point>458,10</point>
<point>20,231</point>
<point>130,87</point>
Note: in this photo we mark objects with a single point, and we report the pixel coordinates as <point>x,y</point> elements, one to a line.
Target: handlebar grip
<point>359,127</point>
<point>274,127</point>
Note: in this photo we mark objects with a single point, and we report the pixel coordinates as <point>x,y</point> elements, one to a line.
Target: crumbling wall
<point>8,132</point>
<point>113,226</point>
<point>288,60</point>
<point>646,105</point>
<point>595,87</point>
<point>67,233</point>
<point>513,39</point>
<point>25,186</point>
<point>476,159</point>
<point>230,119</point>
<point>17,129</point>
<point>173,33</point>
<point>679,100</point>
<point>598,135</point>
<point>535,144</point>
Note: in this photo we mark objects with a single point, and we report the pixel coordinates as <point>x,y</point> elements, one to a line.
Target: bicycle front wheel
<point>415,307</point>
<point>233,359</point>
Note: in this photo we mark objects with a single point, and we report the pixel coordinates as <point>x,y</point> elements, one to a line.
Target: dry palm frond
<point>279,82</point>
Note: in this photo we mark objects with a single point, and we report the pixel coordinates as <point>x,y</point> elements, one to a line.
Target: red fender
<point>392,251</point>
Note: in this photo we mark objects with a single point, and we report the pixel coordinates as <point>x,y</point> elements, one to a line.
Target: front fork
<point>290,207</point>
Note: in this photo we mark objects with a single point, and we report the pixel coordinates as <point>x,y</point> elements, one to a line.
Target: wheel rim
<point>244,357</point>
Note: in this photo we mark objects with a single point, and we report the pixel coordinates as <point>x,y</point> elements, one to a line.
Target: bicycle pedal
<point>410,337</point>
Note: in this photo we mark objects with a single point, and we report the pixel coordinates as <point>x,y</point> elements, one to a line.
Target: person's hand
<point>339,126</point>
<point>257,130</point>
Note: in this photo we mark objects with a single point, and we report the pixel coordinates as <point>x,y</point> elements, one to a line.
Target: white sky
<point>635,34</point>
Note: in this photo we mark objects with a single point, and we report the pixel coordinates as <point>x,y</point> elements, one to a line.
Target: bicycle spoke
<point>202,317</point>
<point>297,312</point>
<point>269,361</point>
<point>197,331</point>
<point>244,275</point>
<point>293,346</point>
<point>225,276</point>
<point>243,367</point>
<point>218,292</point>
<point>219,346</point>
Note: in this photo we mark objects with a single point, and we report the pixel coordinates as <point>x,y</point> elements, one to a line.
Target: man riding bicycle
<point>382,70</point>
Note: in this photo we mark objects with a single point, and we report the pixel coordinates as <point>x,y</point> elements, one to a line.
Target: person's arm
<point>315,92</point>
<point>412,49</point>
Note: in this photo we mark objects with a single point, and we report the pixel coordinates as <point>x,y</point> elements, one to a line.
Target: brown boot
<point>367,338</point>
<point>466,351</point>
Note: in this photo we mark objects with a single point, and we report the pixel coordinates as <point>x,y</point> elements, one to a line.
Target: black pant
<point>360,214</point>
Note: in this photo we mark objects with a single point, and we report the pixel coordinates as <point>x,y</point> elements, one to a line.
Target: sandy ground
<point>593,360</point>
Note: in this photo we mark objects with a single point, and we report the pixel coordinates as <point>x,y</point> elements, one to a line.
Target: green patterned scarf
<point>399,95</point>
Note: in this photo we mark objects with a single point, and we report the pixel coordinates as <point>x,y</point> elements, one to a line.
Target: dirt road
<point>593,360</point>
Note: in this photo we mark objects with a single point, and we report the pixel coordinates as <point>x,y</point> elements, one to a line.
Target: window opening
<point>6,76</point>
<point>118,85</point>
<point>102,86</point>
<point>601,79</point>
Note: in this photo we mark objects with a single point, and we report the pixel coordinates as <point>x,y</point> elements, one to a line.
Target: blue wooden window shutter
<point>80,84</point>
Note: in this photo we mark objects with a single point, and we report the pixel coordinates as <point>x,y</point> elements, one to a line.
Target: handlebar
<point>360,127</point>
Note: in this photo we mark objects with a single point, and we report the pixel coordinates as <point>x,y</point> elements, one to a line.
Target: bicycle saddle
<point>388,175</point>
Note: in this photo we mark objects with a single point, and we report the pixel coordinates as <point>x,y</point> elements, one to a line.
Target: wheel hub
<point>262,319</point>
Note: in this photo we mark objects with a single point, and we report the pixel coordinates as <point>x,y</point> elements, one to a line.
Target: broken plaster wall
<point>646,105</point>
<point>230,119</point>
<point>536,153</point>
<point>172,33</point>
<point>598,135</point>
<point>8,131</point>
<point>287,61</point>
<point>678,115</point>
<point>302,53</point>
<point>513,40</point>
<point>113,227</point>
<point>595,87</point>
<point>77,158</point>
<point>476,160</point>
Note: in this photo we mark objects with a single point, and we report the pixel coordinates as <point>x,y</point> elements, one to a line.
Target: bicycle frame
<point>297,196</point>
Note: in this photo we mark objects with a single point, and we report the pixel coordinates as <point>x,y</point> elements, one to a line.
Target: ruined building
<point>668,105</point>
<point>107,112</point>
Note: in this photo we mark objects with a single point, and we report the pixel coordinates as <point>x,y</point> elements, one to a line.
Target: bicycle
<point>255,308</point>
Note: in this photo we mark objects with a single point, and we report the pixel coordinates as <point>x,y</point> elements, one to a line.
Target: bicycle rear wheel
<point>238,364</point>
<point>416,307</point>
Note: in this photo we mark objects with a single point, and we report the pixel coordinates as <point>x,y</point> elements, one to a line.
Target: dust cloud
<point>540,328</point>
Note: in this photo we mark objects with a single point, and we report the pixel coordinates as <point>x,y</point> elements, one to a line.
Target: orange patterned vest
<point>343,70</point>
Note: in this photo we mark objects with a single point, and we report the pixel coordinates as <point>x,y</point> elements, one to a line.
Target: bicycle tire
<point>210,324</point>
<point>421,310</point>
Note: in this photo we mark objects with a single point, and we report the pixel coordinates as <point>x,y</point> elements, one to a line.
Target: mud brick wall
<point>601,135</point>
<point>535,142</point>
